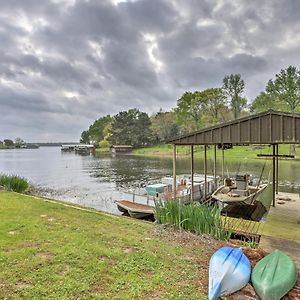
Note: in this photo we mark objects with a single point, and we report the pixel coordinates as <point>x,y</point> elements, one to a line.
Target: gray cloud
<point>65,63</point>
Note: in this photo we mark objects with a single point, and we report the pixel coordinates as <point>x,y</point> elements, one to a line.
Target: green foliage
<point>196,218</point>
<point>286,87</point>
<point>189,110</point>
<point>19,142</point>
<point>95,133</point>
<point>164,126</point>
<point>104,144</point>
<point>234,86</point>
<point>201,108</point>
<point>215,105</point>
<point>131,127</point>
<point>265,101</point>
<point>8,143</point>
<point>14,183</point>
<point>85,137</point>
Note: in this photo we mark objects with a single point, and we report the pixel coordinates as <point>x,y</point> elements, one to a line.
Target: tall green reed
<point>14,183</point>
<point>194,217</point>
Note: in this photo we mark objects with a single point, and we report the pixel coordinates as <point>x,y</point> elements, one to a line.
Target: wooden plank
<point>241,226</point>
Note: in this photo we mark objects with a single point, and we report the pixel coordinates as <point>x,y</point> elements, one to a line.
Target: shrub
<point>194,217</point>
<point>14,183</point>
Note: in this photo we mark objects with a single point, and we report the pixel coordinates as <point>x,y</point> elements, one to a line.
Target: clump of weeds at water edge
<point>14,183</point>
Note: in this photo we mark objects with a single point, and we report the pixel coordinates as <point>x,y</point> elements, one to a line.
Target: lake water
<point>96,181</point>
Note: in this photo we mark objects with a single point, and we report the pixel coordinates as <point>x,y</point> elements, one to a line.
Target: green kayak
<point>274,276</point>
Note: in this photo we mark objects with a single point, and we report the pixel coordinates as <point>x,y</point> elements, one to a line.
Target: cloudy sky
<point>65,63</point>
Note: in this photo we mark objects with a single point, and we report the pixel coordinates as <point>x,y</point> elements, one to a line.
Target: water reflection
<point>96,181</point>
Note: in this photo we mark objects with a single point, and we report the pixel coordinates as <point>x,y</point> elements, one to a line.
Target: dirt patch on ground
<point>129,249</point>
<point>23,285</point>
<point>45,255</point>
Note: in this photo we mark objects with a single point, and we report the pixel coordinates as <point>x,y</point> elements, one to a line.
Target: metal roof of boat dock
<point>270,127</point>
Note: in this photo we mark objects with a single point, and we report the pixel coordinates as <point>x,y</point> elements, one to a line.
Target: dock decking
<point>282,227</point>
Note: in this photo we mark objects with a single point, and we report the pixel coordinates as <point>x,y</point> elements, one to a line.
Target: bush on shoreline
<point>14,183</point>
<point>199,219</point>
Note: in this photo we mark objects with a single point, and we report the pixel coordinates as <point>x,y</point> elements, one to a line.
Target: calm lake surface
<point>96,181</point>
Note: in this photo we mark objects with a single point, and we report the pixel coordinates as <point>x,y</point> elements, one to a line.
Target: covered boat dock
<point>266,128</point>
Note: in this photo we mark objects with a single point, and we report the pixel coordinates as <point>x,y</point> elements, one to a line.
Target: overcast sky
<point>65,63</point>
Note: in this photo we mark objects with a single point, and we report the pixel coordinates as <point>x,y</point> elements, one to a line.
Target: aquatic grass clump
<point>14,183</point>
<point>194,217</point>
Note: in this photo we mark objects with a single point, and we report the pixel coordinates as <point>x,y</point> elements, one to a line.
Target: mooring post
<point>192,172</point>
<point>274,174</point>
<point>174,171</point>
<point>205,172</point>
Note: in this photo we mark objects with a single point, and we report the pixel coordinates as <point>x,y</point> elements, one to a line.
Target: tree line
<point>8,143</point>
<point>195,110</point>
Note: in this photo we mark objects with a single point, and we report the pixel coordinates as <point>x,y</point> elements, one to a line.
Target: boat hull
<point>274,276</point>
<point>224,195</point>
<point>135,210</point>
<point>229,271</point>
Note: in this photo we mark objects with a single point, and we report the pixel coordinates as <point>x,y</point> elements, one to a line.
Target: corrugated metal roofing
<point>271,127</point>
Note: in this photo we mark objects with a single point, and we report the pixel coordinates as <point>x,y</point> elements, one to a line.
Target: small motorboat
<point>238,191</point>
<point>135,210</point>
<point>229,271</point>
<point>274,276</point>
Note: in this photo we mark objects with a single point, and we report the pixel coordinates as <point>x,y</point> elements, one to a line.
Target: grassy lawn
<point>51,251</point>
<point>235,152</point>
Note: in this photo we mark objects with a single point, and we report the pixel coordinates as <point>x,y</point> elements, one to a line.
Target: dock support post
<point>174,171</point>
<point>274,175</point>
<point>205,172</point>
<point>277,169</point>
<point>192,172</point>
<point>223,163</point>
<point>215,165</point>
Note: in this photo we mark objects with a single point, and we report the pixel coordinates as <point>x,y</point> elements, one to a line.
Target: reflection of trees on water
<point>133,170</point>
<point>128,170</point>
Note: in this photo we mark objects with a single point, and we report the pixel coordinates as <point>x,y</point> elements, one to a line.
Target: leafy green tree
<point>189,110</point>
<point>286,87</point>
<point>215,104</point>
<point>131,127</point>
<point>164,127</point>
<point>234,86</point>
<point>19,142</point>
<point>265,101</point>
<point>104,144</point>
<point>85,138</point>
<point>95,133</point>
<point>8,143</point>
<point>96,129</point>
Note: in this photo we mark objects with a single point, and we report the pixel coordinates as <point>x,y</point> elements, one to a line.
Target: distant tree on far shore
<point>8,143</point>
<point>85,138</point>
<point>131,127</point>
<point>164,127</point>
<point>233,86</point>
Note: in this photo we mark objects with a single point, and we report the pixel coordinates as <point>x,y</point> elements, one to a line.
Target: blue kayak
<point>229,271</point>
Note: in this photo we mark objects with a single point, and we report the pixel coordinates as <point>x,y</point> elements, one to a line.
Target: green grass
<point>235,152</point>
<point>103,150</point>
<point>14,183</point>
<point>50,251</point>
<point>196,218</point>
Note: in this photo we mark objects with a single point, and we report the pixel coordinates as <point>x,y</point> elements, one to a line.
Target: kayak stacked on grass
<point>274,276</point>
<point>229,271</point>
